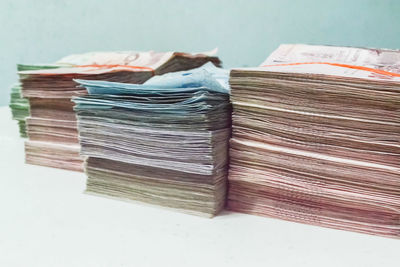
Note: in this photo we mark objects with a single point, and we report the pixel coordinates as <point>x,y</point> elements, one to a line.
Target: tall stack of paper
<point>316,138</point>
<point>164,142</point>
<point>53,137</point>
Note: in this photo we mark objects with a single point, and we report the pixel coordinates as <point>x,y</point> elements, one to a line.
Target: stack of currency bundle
<point>164,142</point>
<point>316,138</point>
<point>19,108</point>
<point>18,104</point>
<point>52,132</point>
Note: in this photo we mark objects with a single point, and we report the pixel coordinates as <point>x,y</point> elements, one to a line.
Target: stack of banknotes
<point>18,104</point>
<point>316,138</point>
<point>51,127</point>
<point>19,108</point>
<point>164,142</point>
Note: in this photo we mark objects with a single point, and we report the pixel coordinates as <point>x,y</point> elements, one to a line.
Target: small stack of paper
<point>19,108</point>
<point>18,104</point>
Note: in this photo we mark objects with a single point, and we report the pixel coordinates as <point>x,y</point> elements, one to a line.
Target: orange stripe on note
<point>383,72</point>
<point>101,67</point>
<point>115,66</point>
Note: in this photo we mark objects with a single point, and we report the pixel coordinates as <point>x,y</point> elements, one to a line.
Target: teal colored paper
<point>208,77</point>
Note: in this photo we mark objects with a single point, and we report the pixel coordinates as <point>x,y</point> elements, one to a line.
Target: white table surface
<point>46,220</point>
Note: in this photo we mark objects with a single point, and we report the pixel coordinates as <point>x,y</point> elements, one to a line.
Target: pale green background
<point>244,31</point>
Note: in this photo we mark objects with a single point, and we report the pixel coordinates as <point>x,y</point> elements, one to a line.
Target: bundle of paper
<point>18,104</point>
<point>19,108</point>
<point>316,138</point>
<point>164,142</point>
<point>49,91</point>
